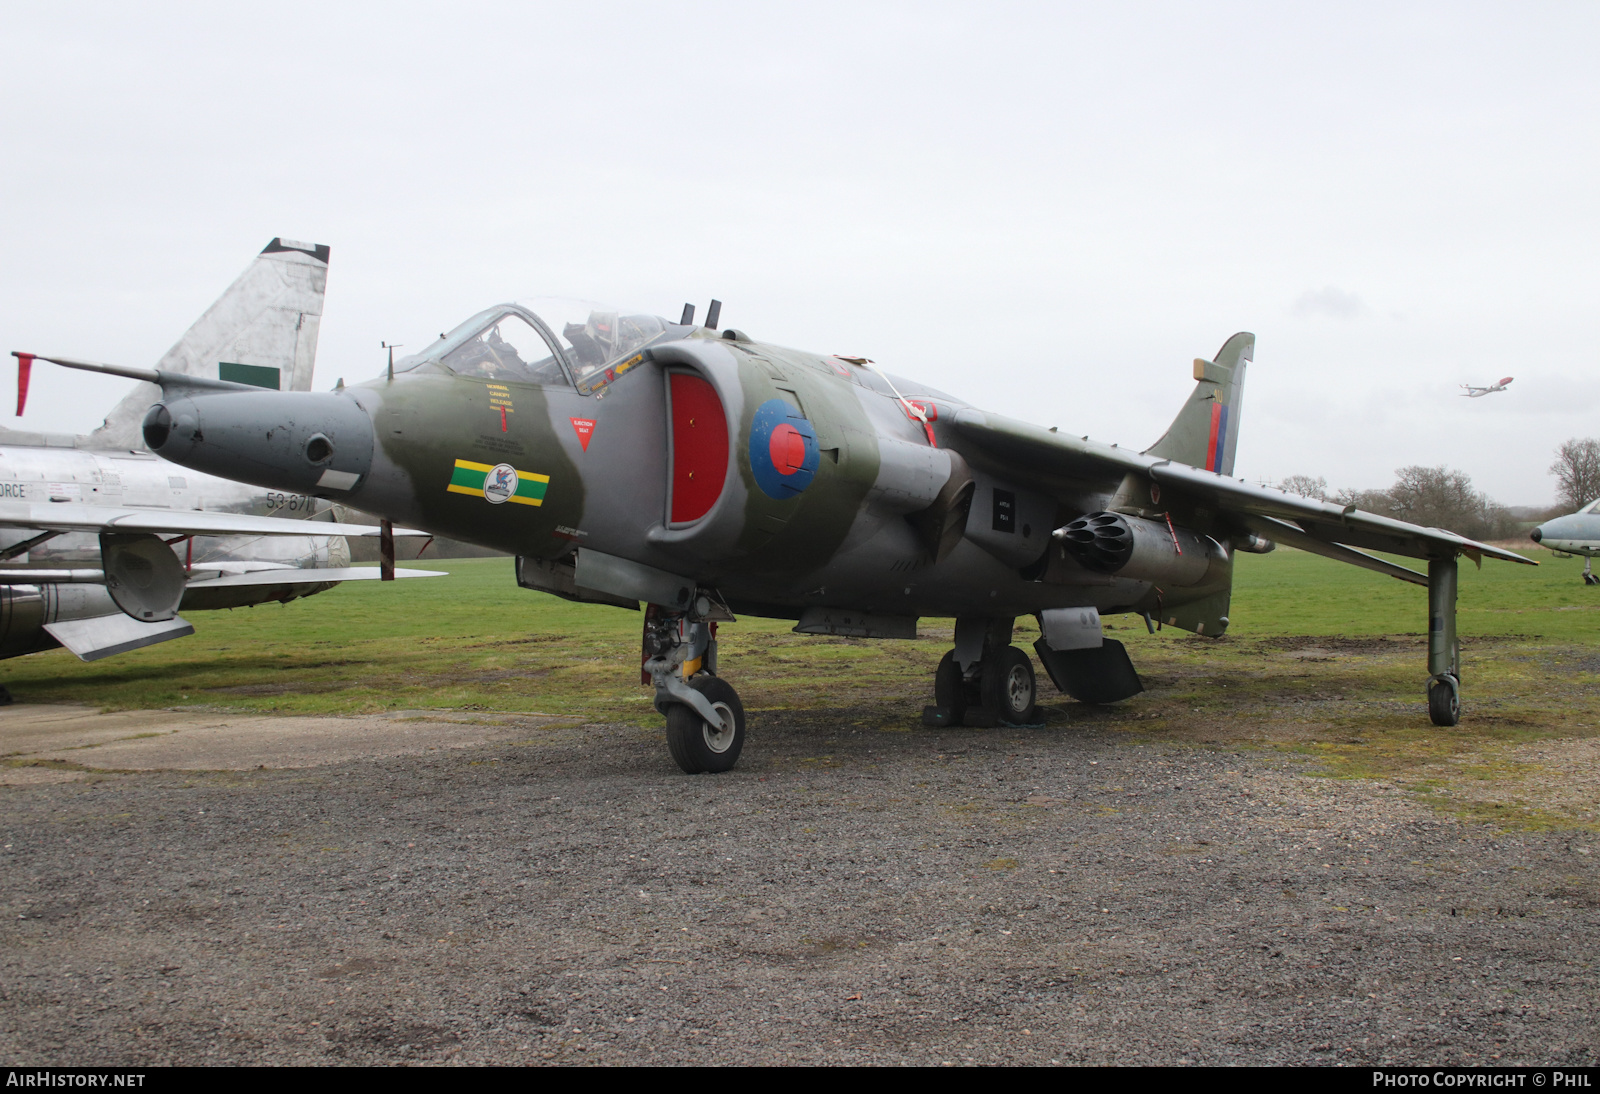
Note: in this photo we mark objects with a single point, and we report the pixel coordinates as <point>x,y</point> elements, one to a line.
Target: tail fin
<point>262,331</point>
<point>1205,433</point>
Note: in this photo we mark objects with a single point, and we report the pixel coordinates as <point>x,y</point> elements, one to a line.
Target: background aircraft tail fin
<point>262,331</point>
<point>1205,433</point>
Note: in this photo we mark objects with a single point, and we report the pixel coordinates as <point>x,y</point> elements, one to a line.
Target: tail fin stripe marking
<point>1213,453</point>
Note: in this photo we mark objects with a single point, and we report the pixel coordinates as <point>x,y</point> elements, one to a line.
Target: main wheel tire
<point>1009,686</point>
<point>1444,703</point>
<point>695,743</point>
<point>949,689</point>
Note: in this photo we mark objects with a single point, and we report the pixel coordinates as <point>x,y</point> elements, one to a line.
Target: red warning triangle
<point>585,428</point>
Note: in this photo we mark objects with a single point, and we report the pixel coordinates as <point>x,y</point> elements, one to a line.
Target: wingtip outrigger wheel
<point>1444,700</point>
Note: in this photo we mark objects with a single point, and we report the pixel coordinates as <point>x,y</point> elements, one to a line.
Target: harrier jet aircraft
<point>83,520</point>
<point>625,458</point>
<point>1574,534</point>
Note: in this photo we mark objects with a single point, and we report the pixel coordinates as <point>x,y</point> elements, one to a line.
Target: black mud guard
<point>1101,675</point>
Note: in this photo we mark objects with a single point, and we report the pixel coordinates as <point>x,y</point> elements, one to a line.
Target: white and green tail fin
<point>262,331</point>
<point>1205,433</point>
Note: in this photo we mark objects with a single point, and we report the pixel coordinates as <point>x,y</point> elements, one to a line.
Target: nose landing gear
<point>705,719</point>
<point>1589,577</point>
<point>698,744</point>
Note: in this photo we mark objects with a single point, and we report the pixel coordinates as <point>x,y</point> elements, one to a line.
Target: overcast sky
<point>1048,209</point>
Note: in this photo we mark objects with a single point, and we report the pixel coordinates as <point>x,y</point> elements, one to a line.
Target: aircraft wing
<point>291,575</point>
<point>1318,526</point>
<point>75,517</point>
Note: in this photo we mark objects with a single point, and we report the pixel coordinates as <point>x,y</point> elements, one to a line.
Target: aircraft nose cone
<point>157,427</point>
<point>1537,535</point>
<point>297,441</point>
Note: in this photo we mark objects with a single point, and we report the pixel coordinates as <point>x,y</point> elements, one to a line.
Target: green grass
<point>1292,592</point>
<point>475,639</point>
<point>1322,660</point>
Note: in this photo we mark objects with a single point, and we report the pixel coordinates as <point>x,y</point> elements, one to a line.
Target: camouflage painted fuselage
<point>828,495</point>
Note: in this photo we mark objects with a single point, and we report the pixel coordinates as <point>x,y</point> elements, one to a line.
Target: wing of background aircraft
<point>67,517</point>
<point>145,578</point>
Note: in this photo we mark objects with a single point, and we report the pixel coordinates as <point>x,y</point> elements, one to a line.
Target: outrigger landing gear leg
<point>705,720</point>
<point>1444,652</point>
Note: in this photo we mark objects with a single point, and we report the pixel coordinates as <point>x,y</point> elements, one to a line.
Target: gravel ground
<point>849,895</point>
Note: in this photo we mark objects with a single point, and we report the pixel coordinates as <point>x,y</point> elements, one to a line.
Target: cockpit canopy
<point>565,343</point>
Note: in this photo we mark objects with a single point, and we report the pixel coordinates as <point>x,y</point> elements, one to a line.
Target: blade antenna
<point>391,347</point>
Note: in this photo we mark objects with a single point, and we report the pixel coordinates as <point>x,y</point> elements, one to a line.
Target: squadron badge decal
<point>498,484</point>
<point>783,450</point>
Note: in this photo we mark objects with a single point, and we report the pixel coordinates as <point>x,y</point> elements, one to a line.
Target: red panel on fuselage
<point>699,447</point>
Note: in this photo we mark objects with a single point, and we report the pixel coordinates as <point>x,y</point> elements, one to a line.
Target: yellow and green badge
<point>498,483</point>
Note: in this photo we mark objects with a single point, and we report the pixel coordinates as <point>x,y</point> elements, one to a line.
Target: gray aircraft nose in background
<point>1574,534</point>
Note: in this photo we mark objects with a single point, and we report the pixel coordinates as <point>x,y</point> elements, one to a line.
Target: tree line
<point>1442,497</point>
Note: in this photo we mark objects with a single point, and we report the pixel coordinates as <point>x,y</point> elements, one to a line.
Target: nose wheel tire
<point>1444,702</point>
<point>696,744</point>
<point>1009,686</point>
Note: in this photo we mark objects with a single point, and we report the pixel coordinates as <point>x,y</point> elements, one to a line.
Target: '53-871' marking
<point>294,503</point>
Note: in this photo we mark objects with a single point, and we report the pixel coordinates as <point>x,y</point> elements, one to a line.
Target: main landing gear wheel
<point>1444,701</point>
<point>1009,688</point>
<point>695,743</point>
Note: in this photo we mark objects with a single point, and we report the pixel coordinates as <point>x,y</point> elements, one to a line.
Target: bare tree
<point>1373,501</point>
<point>1577,472</point>
<point>1305,486</point>
<point>1439,497</point>
<point>1435,497</point>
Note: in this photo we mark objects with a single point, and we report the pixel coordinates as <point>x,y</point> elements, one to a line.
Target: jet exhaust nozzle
<point>296,441</point>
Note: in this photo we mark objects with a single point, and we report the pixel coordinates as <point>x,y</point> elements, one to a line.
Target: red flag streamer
<point>24,372</point>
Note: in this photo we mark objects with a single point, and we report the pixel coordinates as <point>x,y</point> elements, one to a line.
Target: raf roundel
<point>783,450</point>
